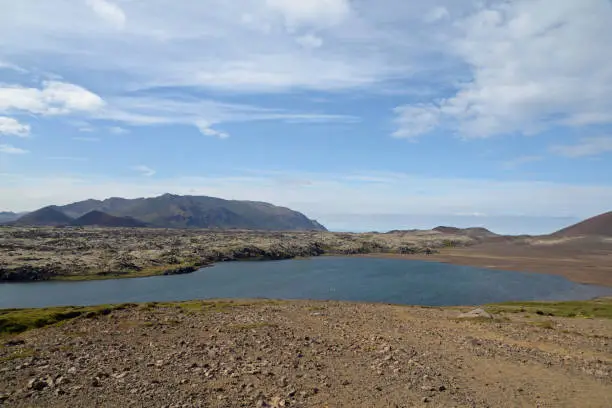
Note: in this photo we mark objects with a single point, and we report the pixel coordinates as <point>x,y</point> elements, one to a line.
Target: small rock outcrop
<point>476,313</point>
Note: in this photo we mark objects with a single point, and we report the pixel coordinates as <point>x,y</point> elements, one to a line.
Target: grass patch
<point>596,308</point>
<point>13,321</point>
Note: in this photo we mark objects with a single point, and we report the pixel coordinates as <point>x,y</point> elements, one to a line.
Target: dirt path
<point>309,354</point>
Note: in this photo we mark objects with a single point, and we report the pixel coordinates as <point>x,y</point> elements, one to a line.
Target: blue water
<point>335,278</point>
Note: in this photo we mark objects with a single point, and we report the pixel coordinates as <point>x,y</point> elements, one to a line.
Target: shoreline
<point>578,270</point>
<point>584,271</point>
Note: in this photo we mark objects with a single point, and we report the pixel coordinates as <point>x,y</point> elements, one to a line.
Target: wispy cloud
<point>8,149</point>
<point>521,160</point>
<point>588,146</point>
<point>86,139</point>
<point>12,127</point>
<point>117,130</point>
<point>109,12</point>
<point>144,170</point>
<point>206,130</point>
<point>68,158</point>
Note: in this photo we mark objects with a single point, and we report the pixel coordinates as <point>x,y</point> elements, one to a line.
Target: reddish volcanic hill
<point>599,225</point>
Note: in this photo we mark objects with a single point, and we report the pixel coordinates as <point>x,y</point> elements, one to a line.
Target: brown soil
<point>309,354</point>
<point>584,262</point>
<point>598,225</point>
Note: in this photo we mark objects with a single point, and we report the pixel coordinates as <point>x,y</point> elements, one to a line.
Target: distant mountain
<point>101,219</point>
<point>598,225</point>
<point>47,216</point>
<point>476,232</point>
<point>7,216</point>
<point>174,211</point>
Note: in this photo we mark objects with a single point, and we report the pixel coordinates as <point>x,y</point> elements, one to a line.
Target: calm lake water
<point>335,278</point>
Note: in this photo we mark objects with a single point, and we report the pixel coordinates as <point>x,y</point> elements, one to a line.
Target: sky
<point>363,114</point>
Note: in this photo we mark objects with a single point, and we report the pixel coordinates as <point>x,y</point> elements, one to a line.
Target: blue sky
<point>364,114</point>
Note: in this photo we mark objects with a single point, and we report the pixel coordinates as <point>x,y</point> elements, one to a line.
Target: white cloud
<point>8,149</point>
<point>309,41</point>
<point>206,130</point>
<point>588,146</point>
<point>534,64</point>
<point>54,98</point>
<point>311,12</point>
<point>110,12</point>
<point>68,158</point>
<point>234,46</point>
<point>413,121</point>
<point>436,14</point>
<point>144,170</point>
<point>11,126</point>
<point>117,130</point>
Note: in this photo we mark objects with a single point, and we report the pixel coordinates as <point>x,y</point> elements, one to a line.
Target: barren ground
<point>309,354</point>
<point>583,262</point>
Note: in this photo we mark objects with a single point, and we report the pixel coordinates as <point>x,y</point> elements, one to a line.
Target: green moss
<point>596,308</point>
<point>14,321</point>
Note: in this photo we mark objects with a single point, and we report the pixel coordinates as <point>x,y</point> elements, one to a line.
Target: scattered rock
<point>37,384</point>
<point>476,313</point>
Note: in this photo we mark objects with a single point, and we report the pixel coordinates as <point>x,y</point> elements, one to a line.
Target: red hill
<point>599,225</point>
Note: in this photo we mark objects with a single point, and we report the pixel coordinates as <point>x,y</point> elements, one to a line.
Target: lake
<point>325,278</point>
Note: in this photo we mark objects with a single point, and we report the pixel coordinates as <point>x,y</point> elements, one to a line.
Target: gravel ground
<point>308,354</point>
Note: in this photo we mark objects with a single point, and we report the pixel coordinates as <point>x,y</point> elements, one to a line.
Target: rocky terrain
<point>312,354</point>
<point>42,253</point>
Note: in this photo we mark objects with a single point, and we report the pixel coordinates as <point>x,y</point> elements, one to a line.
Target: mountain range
<point>172,211</point>
<point>7,216</point>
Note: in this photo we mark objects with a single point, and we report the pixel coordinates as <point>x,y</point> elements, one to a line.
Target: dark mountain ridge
<point>50,216</point>
<point>101,219</point>
<point>8,216</point>
<point>174,211</point>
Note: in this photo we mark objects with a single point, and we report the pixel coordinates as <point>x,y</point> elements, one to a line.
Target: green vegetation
<point>13,321</point>
<point>596,308</point>
<point>142,273</point>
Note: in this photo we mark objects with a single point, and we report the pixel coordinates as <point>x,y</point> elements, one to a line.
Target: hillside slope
<point>598,225</point>
<point>101,219</point>
<point>49,216</point>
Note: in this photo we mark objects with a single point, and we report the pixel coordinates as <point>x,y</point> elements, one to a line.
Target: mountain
<point>7,216</point>
<point>101,219</point>
<point>47,216</point>
<point>598,225</point>
<point>174,211</point>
